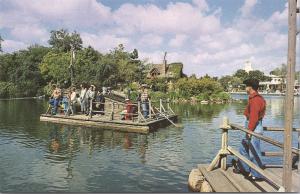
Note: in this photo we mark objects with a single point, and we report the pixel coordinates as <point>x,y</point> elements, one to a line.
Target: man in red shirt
<point>254,113</point>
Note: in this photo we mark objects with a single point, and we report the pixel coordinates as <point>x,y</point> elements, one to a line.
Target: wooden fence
<point>221,157</point>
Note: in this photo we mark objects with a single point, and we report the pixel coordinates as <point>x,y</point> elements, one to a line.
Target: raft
<point>104,122</point>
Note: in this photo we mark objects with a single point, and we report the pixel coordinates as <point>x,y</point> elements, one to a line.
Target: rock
<point>195,180</point>
<point>205,187</point>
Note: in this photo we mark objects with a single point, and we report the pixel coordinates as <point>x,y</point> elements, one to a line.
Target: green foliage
<point>63,41</point>
<point>21,69</point>
<point>1,43</point>
<point>194,87</point>
<point>176,70</point>
<point>280,71</point>
<point>54,67</point>
<point>7,90</point>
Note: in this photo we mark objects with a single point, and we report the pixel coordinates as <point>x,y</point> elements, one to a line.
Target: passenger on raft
<point>83,99</point>
<point>250,148</point>
<point>145,101</point>
<point>100,102</point>
<point>55,99</point>
<point>73,101</point>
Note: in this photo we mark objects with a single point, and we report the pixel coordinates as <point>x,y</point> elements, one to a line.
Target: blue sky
<point>208,36</point>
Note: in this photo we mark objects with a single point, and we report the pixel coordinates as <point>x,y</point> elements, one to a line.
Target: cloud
<point>191,32</point>
<point>103,43</point>
<point>247,8</point>
<point>12,45</point>
<point>178,40</point>
<point>32,33</point>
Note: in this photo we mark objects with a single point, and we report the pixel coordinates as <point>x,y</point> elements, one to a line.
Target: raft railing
<point>115,106</point>
<point>220,159</point>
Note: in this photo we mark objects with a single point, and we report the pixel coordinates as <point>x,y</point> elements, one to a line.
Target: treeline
<point>32,71</point>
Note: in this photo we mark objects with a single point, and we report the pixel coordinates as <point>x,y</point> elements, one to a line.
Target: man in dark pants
<point>250,148</point>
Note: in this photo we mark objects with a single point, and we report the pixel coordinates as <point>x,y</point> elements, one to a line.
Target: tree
<point>258,75</point>
<point>54,67</point>
<point>242,74</point>
<point>1,43</point>
<point>63,41</point>
<point>280,71</point>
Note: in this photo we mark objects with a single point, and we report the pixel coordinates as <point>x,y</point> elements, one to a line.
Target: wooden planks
<point>105,123</point>
<point>239,181</point>
<point>218,180</point>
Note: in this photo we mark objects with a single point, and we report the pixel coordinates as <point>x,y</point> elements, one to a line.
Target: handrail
<point>265,174</point>
<point>264,138</point>
<point>221,157</point>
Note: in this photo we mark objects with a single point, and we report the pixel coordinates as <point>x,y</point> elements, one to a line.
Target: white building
<point>248,66</point>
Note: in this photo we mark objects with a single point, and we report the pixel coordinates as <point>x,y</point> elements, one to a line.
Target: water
<point>43,157</point>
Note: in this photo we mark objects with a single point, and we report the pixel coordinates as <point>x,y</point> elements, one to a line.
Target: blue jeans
<point>251,150</point>
<point>54,102</point>
<point>145,109</point>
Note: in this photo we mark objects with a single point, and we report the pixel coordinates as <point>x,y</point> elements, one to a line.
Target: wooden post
<point>224,143</point>
<point>139,110</point>
<point>112,110</point>
<point>150,113</point>
<point>299,152</point>
<point>160,105</point>
<point>289,98</point>
<point>91,108</point>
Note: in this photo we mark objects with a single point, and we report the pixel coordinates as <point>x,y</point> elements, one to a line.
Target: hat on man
<point>254,83</point>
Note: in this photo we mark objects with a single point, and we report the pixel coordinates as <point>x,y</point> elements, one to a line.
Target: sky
<point>214,37</point>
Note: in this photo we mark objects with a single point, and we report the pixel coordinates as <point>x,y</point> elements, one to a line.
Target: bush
<point>7,90</point>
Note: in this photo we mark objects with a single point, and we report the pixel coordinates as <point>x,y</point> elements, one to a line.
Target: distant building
<point>277,83</point>
<point>248,66</point>
<point>165,70</point>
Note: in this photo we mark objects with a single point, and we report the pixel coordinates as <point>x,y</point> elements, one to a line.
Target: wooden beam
<point>265,174</point>
<point>289,98</point>
<point>278,129</point>
<point>264,138</point>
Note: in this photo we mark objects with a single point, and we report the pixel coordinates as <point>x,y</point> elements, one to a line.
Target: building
<point>165,70</point>
<point>248,66</point>
<point>277,83</point>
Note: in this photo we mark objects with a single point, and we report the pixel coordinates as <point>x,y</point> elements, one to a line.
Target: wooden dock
<point>227,181</point>
<point>218,176</point>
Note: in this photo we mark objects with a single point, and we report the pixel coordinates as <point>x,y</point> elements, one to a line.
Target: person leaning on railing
<point>250,148</point>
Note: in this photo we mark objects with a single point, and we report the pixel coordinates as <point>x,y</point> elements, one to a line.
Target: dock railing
<point>115,107</point>
<point>221,158</point>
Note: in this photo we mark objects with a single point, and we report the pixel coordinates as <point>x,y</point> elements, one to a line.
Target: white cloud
<point>178,40</point>
<point>32,33</point>
<point>191,32</point>
<point>150,40</point>
<point>103,43</point>
<point>12,45</point>
<point>247,8</point>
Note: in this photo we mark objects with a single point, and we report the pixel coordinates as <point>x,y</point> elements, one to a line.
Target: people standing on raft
<point>145,101</point>
<point>250,148</point>
<point>83,98</point>
<point>73,101</point>
<point>91,97</point>
<point>100,102</point>
<point>55,98</point>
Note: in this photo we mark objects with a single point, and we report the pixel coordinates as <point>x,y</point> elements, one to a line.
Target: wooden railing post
<point>112,110</point>
<point>224,127</point>
<point>160,105</point>
<point>150,114</point>
<point>139,111</point>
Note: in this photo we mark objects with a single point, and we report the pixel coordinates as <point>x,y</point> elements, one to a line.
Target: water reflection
<point>41,157</point>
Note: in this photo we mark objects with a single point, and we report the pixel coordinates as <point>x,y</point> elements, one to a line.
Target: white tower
<point>248,66</point>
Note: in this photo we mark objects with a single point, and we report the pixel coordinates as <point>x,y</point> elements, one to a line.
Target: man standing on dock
<point>254,112</point>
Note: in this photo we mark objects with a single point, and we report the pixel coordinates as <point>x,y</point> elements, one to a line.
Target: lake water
<point>42,157</point>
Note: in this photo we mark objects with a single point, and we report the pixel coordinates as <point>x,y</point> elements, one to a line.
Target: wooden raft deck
<point>227,181</point>
<point>104,122</point>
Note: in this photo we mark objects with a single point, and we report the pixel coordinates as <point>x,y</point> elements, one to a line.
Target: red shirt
<point>255,110</point>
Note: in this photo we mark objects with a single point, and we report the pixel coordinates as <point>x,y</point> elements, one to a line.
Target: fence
<point>221,157</point>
